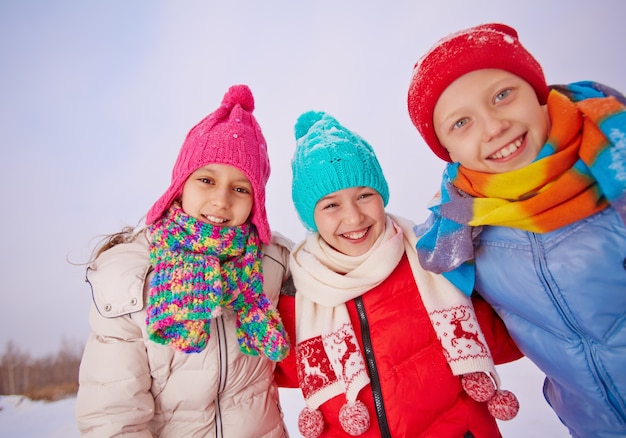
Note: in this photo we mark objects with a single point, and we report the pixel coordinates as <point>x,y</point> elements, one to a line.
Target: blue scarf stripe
<point>612,161</point>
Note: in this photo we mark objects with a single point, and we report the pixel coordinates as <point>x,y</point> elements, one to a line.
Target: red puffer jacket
<point>412,392</point>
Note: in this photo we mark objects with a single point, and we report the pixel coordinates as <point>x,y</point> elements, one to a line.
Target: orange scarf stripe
<point>519,183</point>
<point>550,192</point>
<point>537,214</point>
<point>566,119</point>
<point>596,137</point>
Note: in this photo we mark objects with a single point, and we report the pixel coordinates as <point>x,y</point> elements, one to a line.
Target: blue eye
<point>460,124</point>
<point>502,95</point>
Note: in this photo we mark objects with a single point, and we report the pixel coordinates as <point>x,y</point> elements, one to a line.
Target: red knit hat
<point>229,135</point>
<point>485,46</point>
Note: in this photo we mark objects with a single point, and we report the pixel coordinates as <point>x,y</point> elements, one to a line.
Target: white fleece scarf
<point>328,357</point>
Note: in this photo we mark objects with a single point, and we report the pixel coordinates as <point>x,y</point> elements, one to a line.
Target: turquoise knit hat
<point>329,158</point>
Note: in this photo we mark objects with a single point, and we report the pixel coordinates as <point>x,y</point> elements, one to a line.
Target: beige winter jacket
<point>133,387</point>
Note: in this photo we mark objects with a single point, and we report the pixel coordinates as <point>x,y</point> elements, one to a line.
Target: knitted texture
<point>578,172</point>
<point>310,423</point>
<point>200,269</point>
<point>502,404</point>
<point>230,135</point>
<point>354,418</point>
<point>478,386</point>
<point>485,46</point>
<point>329,158</point>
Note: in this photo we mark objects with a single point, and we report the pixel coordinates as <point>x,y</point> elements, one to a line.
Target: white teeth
<point>355,234</point>
<point>507,150</point>
<point>215,219</point>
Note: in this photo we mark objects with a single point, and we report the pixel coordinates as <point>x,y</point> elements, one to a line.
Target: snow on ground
<point>23,418</point>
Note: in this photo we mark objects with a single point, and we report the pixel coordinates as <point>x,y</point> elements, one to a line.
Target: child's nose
<point>221,198</point>
<point>494,126</point>
<point>353,214</point>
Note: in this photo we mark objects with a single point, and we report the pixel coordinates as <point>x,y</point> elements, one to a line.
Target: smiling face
<point>351,220</point>
<point>218,194</point>
<point>491,121</point>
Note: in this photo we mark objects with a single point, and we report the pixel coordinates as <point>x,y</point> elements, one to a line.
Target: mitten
<point>259,327</point>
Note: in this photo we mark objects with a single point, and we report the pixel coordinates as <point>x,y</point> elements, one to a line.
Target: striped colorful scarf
<point>199,270</point>
<point>579,171</point>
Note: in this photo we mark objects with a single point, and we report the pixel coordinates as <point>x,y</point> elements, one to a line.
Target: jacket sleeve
<point>286,373</point>
<point>114,397</point>
<point>502,347</point>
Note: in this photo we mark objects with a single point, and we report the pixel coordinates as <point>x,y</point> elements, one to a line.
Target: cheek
<point>325,233</point>
<point>186,194</point>
<point>452,155</point>
<point>545,119</point>
<point>449,145</point>
<point>539,128</point>
<point>379,215</point>
<point>184,202</point>
<point>250,210</point>
<point>456,154</point>
<point>324,225</point>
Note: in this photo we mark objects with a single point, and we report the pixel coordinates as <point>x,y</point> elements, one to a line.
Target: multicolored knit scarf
<point>199,269</point>
<point>579,171</point>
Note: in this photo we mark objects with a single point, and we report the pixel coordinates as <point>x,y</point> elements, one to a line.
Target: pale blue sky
<point>96,98</point>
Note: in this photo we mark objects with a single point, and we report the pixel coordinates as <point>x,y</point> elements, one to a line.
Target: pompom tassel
<point>478,386</point>
<point>504,405</point>
<point>354,418</point>
<point>239,94</point>
<point>310,423</point>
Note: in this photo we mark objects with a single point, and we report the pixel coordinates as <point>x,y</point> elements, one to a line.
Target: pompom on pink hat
<point>229,135</point>
<point>492,45</point>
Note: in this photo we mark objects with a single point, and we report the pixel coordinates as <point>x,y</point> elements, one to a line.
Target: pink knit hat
<point>485,46</point>
<point>229,135</point>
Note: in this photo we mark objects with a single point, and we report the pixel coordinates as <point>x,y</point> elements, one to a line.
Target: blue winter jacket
<point>562,296</point>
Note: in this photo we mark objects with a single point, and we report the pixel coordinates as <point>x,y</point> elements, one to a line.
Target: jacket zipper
<point>222,351</point>
<point>371,367</point>
<point>541,262</point>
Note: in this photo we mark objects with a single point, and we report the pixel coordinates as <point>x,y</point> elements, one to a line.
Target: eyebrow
<point>211,172</point>
<point>334,196</point>
<point>325,198</point>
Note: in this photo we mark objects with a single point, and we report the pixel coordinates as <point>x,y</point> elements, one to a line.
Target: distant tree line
<point>50,377</point>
